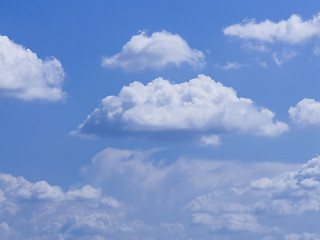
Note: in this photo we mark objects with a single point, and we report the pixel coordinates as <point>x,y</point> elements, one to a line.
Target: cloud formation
<point>182,199</point>
<point>41,211</point>
<point>198,106</point>
<point>155,52</point>
<point>306,112</point>
<point>293,30</point>
<point>25,76</point>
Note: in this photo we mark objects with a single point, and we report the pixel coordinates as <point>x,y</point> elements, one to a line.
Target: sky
<point>159,120</point>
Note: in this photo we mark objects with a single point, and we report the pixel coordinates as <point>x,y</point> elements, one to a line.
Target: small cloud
<point>156,52</point>
<point>285,56</point>
<point>210,140</point>
<point>231,65</point>
<point>316,51</point>
<point>259,47</point>
<point>306,112</point>
<point>293,30</point>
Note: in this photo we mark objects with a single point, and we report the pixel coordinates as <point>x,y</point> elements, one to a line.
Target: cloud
<point>155,52</point>
<point>285,56</point>
<point>306,112</point>
<point>231,65</point>
<point>304,236</point>
<point>160,108</point>
<point>210,140</point>
<point>130,194</point>
<point>25,76</point>
<point>293,30</point>
<point>162,190</point>
<point>233,222</point>
<point>41,211</point>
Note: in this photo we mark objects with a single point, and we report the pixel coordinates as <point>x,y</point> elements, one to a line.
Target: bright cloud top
<point>294,30</point>
<point>25,76</point>
<point>306,112</point>
<point>198,106</point>
<point>157,51</point>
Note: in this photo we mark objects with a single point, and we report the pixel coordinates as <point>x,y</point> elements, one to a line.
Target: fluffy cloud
<point>199,106</point>
<point>157,51</point>
<point>292,192</point>
<point>306,112</point>
<point>25,76</point>
<point>20,188</point>
<point>41,211</point>
<point>294,30</point>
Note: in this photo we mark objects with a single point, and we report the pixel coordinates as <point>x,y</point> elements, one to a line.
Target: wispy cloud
<point>231,65</point>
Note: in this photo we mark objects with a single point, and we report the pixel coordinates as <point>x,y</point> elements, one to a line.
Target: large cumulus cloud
<point>196,107</point>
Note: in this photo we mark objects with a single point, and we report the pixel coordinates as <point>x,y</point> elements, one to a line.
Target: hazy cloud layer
<point>156,52</point>
<point>306,112</point>
<point>182,199</point>
<point>199,106</point>
<point>25,76</point>
<point>293,30</point>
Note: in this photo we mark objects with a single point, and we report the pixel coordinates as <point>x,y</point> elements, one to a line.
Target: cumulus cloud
<point>306,112</point>
<point>291,192</point>
<point>25,76</point>
<point>42,211</point>
<point>18,187</point>
<point>155,51</point>
<point>294,30</point>
<point>199,106</point>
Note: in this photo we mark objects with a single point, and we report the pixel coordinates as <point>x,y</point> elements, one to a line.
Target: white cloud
<point>178,199</point>
<point>306,112</point>
<point>293,30</point>
<point>156,52</point>
<point>25,76</point>
<point>199,106</point>
<point>210,140</point>
<point>43,211</point>
<point>231,65</point>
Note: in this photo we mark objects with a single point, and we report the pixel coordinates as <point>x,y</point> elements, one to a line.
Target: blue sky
<point>159,120</point>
